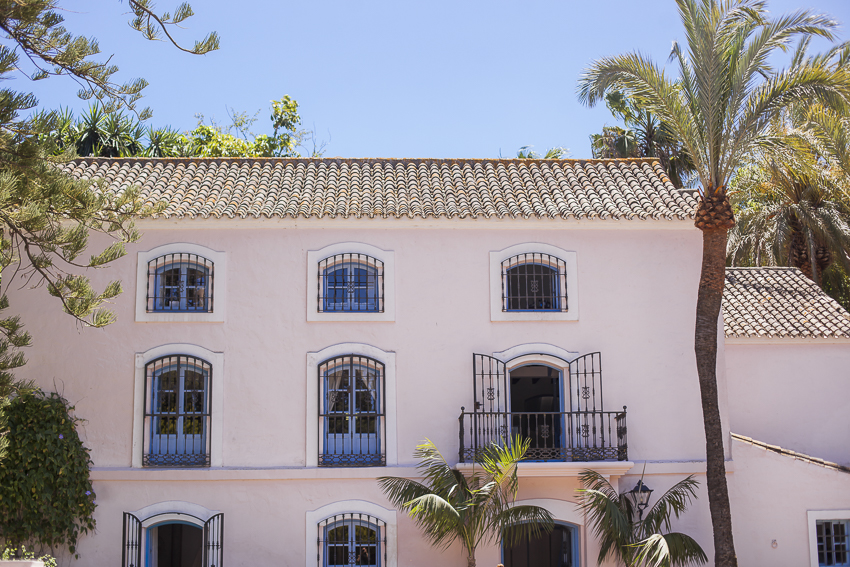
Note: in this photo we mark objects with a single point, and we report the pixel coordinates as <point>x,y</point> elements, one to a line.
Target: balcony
<point>554,436</point>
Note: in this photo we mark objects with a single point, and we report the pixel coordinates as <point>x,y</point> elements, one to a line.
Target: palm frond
<point>669,550</point>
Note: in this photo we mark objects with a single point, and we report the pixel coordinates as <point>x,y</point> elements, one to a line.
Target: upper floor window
<point>351,283</point>
<point>534,282</point>
<point>352,412</point>
<point>832,540</point>
<point>352,539</point>
<point>180,282</point>
<point>177,412</point>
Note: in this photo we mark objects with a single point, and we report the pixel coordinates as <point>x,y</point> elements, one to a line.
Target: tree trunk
<point>712,279</point>
<point>470,560</point>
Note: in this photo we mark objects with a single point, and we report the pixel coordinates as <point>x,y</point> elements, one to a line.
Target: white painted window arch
<point>314,426</point>
<point>216,390</point>
<point>567,284</point>
<point>378,301</point>
<point>200,257</point>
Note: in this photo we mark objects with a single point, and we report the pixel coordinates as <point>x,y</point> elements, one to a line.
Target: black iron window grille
<point>534,282</point>
<point>352,539</point>
<point>177,412</point>
<point>181,283</point>
<point>351,282</point>
<point>832,536</point>
<point>351,411</point>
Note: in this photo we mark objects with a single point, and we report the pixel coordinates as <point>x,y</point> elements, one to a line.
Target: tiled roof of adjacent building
<point>780,303</point>
<point>793,454</point>
<point>396,188</point>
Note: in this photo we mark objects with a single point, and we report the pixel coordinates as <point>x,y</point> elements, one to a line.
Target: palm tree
<point>611,517</point>
<point>720,109</point>
<point>793,205</point>
<point>557,152</point>
<point>449,506</point>
<point>644,136</point>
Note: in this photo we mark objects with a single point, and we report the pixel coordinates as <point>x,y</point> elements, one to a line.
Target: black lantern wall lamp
<point>640,497</point>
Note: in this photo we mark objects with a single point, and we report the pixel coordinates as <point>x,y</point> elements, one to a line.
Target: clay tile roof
<point>793,454</point>
<point>632,189</point>
<point>780,303</point>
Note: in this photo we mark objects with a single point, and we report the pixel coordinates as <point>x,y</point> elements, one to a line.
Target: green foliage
<point>639,542</point>
<point>46,496</point>
<point>526,152</point>
<point>46,217</point>
<point>13,553</point>
<point>103,133</point>
<point>449,506</point>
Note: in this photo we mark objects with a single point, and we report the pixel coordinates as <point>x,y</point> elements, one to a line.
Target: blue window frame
<point>534,282</point>
<point>177,412</point>
<point>352,411</point>
<point>181,283</point>
<point>351,283</point>
<point>352,539</point>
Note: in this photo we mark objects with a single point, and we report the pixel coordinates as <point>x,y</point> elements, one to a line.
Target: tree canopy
<point>46,217</point>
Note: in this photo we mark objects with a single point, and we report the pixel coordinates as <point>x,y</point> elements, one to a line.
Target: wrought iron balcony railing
<point>553,436</point>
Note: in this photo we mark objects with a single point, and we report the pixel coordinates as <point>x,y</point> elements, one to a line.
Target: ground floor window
<point>832,542</point>
<point>173,540</point>
<point>558,548</point>
<point>352,539</point>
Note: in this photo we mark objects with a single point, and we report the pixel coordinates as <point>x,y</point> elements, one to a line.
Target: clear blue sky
<point>392,78</point>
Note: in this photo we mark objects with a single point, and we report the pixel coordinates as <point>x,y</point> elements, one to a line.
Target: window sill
<point>258,473</point>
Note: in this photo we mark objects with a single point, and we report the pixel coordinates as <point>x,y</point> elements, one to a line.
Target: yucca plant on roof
<point>720,106</point>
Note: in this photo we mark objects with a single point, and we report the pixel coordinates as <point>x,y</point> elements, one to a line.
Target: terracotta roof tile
<point>396,188</point>
<point>781,303</point>
<point>793,454</point>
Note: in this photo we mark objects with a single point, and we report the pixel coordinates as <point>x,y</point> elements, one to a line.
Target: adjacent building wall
<point>792,393</point>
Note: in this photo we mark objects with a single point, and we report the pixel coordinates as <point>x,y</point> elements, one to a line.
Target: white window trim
<point>314,423</point>
<point>813,517</point>
<point>496,259</point>
<point>219,260</point>
<point>316,256</point>
<point>216,360</point>
<point>174,510</point>
<point>313,517</point>
<point>534,349</point>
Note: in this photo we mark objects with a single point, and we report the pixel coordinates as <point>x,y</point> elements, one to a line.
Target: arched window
<point>351,410</point>
<point>177,412</point>
<point>534,282</point>
<point>351,283</point>
<point>352,539</point>
<point>180,283</point>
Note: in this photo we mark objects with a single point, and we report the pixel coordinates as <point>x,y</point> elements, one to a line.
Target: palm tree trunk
<point>712,279</point>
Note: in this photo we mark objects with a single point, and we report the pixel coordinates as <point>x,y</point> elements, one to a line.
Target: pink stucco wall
<point>771,495</point>
<point>792,394</point>
<point>637,298</point>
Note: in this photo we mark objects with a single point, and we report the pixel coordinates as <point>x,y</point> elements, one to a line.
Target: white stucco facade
<point>638,283</point>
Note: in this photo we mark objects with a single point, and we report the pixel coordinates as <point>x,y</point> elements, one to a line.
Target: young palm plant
<point>612,518</point>
<point>720,108</point>
<point>449,506</point>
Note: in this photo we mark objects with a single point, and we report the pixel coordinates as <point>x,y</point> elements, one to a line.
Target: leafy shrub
<point>46,496</point>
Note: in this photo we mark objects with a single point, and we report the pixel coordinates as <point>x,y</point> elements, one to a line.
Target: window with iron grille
<point>180,283</point>
<point>534,282</point>
<point>352,539</point>
<point>351,283</point>
<point>351,412</point>
<point>832,542</point>
<point>177,412</point>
